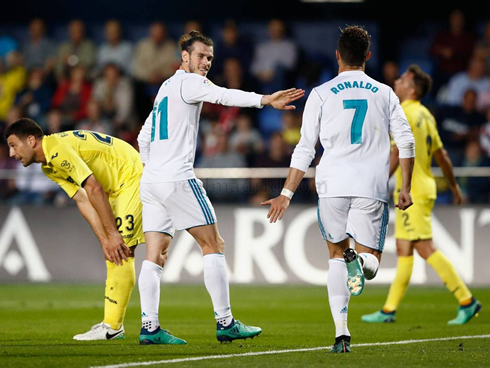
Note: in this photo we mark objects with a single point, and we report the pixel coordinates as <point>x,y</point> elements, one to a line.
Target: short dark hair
<point>23,128</point>
<point>187,40</point>
<point>422,80</point>
<point>353,45</point>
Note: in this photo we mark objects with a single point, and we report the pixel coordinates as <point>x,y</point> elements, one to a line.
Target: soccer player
<point>101,174</point>
<point>173,199</point>
<point>353,116</point>
<point>413,229</point>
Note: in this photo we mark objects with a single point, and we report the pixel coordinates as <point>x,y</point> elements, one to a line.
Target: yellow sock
<point>449,276</point>
<point>119,285</point>
<point>400,283</point>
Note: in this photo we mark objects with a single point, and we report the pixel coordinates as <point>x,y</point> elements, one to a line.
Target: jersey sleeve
<point>144,139</point>
<point>68,186</point>
<point>68,163</point>
<point>400,128</point>
<point>196,88</point>
<point>304,151</point>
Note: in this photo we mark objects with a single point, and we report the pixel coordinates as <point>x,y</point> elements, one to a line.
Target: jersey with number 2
<point>353,115</point>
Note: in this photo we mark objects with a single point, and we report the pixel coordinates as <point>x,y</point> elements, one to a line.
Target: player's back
<point>112,160</point>
<point>174,129</point>
<point>354,132</point>
<point>427,141</point>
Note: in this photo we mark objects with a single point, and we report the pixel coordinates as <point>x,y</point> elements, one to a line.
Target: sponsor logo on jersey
<point>54,156</point>
<point>207,82</point>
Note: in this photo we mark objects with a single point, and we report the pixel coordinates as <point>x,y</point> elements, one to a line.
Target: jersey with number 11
<point>168,138</point>
<point>353,115</point>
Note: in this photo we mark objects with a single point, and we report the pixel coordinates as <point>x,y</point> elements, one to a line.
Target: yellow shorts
<point>416,222</point>
<point>127,208</point>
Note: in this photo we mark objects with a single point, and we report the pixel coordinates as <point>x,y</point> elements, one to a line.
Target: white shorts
<point>174,206</point>
<point>363,219</point>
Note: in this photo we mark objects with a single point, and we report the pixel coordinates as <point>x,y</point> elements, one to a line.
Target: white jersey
<point>353,115</point>
<point>167,141</point>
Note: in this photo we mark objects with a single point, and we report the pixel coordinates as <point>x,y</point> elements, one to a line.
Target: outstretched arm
<point>444,162</point>
<point>281,100</point>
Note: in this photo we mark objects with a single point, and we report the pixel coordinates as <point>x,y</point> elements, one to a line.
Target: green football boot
<point>235,331</point>
<point>342,345</point>
<point>379,317</point>
<point>159,336</point>
<point>355,275</point>
<point>466,313</point>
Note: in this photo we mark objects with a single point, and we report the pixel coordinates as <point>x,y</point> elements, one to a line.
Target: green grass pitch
<point>37,323</point>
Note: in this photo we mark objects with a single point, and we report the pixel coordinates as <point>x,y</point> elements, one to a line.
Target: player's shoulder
<point>196,79</point>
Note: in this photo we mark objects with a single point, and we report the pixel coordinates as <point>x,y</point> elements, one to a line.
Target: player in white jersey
<point>172,197</point>
<point>353,115</point>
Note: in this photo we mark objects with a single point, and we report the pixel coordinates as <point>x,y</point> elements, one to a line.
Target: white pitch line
<point>271,352</point>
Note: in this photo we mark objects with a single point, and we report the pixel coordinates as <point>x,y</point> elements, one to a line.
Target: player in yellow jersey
<point>101,174</point>
<point>413,229</point>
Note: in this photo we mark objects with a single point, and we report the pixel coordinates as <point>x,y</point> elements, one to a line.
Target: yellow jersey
<point>427,141</point>
<point>72,156</point>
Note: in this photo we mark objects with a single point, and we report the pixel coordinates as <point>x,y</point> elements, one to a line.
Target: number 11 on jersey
<point>357,122</point>
<point>160,114</point>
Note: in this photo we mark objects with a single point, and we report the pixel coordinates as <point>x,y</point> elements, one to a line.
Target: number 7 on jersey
<point>357,122</point>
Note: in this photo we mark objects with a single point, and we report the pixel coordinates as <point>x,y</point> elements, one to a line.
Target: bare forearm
<point>444,162</point>
<point>406,165</point>
<point>100,203</point>
<point>90,214</point>
<point>294,179</point>
<point>394,160</point>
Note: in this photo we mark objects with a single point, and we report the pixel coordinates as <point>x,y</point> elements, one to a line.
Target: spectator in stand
<point>7,45</point>
<point>78,50</point>
<point>245,139</point>
<point>232,78</point>
<point>460,125</point>
<point>224,189</point>
<point>94,121</point>
<point>231,46</point>
<point>7,185</point>
<point>474,78</point>
<point>39,51</point>
<point>275,59</point>
<point>452,49</point>
<point>291,131</point>
<point>192,25</point>
<point>114,94</point>
<point>114,50</point>
<point>12,81</point>
<point>55,122</point>
<point>35,98</point>
<point>276,155</point>
<point>390,73</point>
<point>485,135</point>
<point>476,190</point>
<point>482,48</point>
<point>155,60</point>
<point>73,95</point>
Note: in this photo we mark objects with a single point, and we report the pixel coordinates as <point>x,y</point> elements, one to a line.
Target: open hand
<point>280,100</point>
<point>278,205</point>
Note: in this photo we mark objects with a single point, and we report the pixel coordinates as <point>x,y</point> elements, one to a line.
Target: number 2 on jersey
<point>359,115</point>
<point>160,114</point>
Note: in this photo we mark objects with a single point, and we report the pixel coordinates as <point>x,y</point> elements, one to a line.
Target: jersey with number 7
<point>353,115</point>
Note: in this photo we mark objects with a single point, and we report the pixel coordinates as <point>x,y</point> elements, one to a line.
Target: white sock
<point>216,281</point>
<point>149,286</point>
<point>338,295</point>
<point>370,265</point>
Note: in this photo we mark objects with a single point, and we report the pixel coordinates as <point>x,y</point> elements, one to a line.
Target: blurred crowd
<point>109,87</point>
